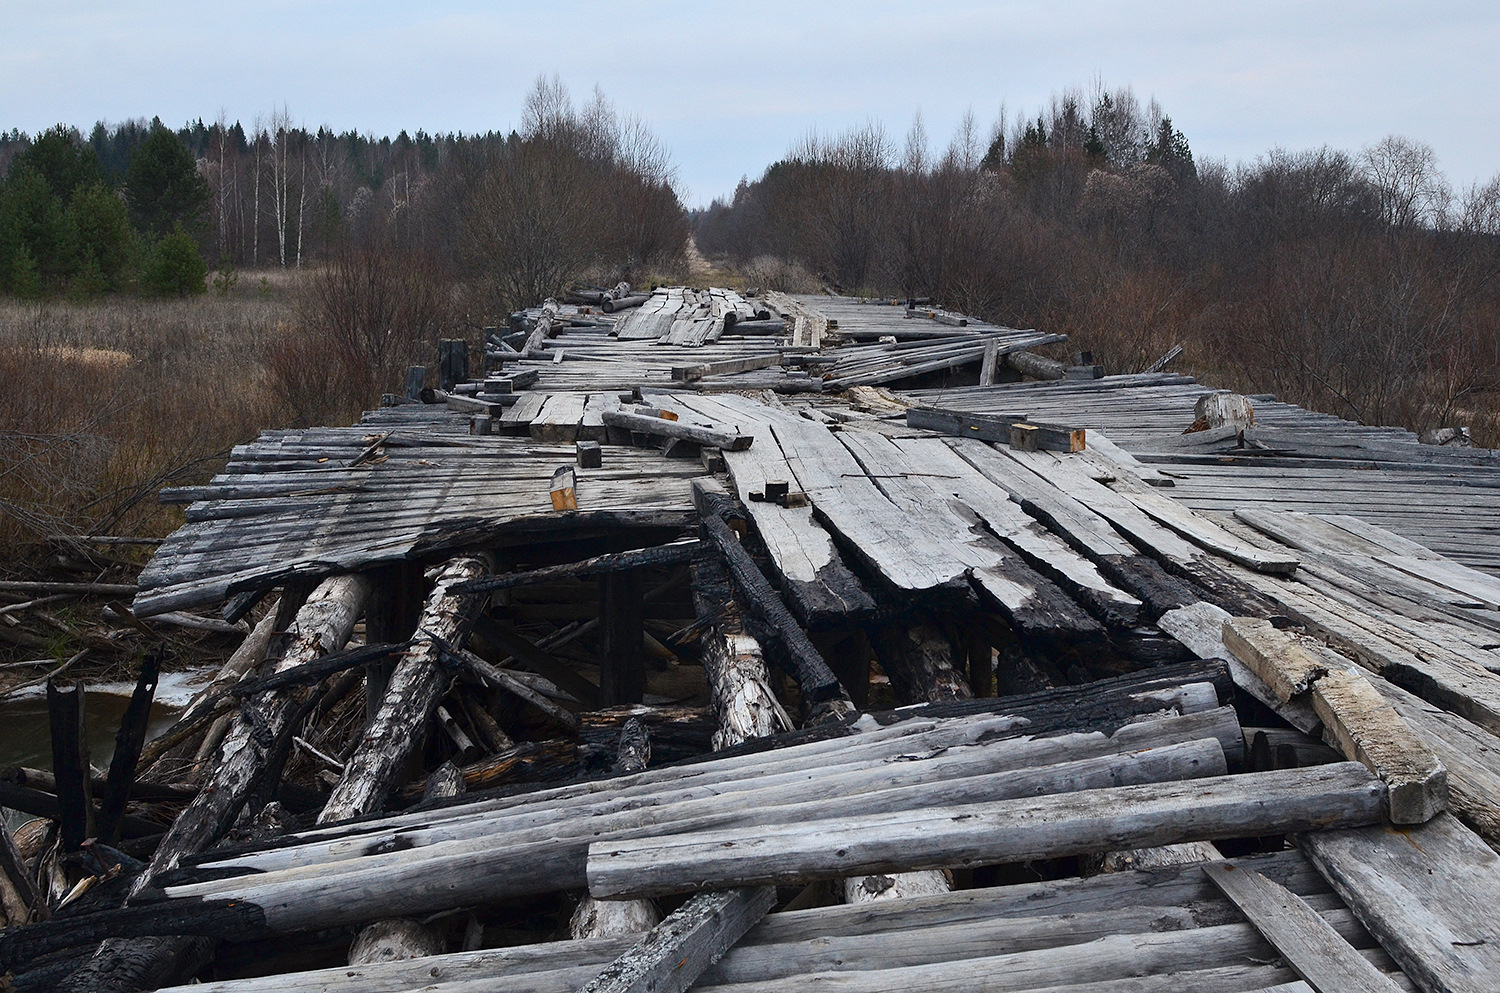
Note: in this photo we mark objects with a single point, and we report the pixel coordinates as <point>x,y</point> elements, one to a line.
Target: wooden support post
<point>622,658</point>
<point>70,763</point>
<point>416,378</point>
<point>981,661</point>
<point>848,654</point>
<point>128,742</point>
<point>416,686</point>
<point>990,365</point>
<point>453,362</point>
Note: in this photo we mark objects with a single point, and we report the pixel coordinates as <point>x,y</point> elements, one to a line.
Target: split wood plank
<point>822,589</point>
<point>1005,517</point>
<point>1427,893</point>
<point>1310,945</point>
<point>672,955</point>
<point>661,427</point>
<point>1008,831</point>
<point>558,422</point>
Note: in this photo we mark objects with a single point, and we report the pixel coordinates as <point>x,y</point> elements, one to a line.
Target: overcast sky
<point>729,86</point>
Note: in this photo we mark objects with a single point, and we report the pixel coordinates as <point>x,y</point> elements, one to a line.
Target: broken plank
<point>1310,945</point>
<point>559,419</point>
<point>672,955</point>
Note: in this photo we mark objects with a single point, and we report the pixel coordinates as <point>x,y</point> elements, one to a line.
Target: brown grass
<point>108,401</point>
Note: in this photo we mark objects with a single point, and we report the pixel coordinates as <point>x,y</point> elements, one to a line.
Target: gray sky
<point>729,86</point>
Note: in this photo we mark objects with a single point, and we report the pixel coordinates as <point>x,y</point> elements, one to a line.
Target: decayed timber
<point>672,955</point>
<point>1342,794</point>
<point>1285,665</point>
<point>1309,943</point>
<point>739,686</point>
<point>416,685</point>
<point>1428,894</point>
<point>322,625</point>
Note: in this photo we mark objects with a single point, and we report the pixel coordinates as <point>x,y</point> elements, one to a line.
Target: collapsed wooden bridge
<point>720,641</point>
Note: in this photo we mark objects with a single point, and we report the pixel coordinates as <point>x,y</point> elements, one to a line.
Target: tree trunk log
<point>417,684</point>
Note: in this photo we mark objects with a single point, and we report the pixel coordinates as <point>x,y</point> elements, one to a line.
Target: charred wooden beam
<point>70,763</point>
<point>128,741</point>
<point>610,562</point>
<point>821,690</point>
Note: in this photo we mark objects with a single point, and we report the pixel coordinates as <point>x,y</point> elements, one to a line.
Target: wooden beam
<point>1285,666</point>
<point>1359,722</point>
<point>1310,945</point>
<point>128,741</point>
<point>663,428</point>
<point>672,955</point>
<point>1251,805</point>
<point>634,558</point>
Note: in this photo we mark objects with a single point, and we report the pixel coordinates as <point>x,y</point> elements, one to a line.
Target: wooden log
<point>821,690</point>
<point>1036,366</point>
<point>1310,945</point>
<point>692,373</point>
<point>1255,804</point>
<point>1360,724</point>
<point>672,955</point>
<point>1426,893</point>
<point>128,741</point>
<point>394,941</point>
<point>70,763</point>
<point>102,589</point>
<point>1222,408</point>
<point>323,624</point>
<point>552,858</point>
<point>142,963</point>
<point>676,552</point>
<point>416,686</point>
<point>918,658</point>
<point>662,428</point>
<point>739,687</point>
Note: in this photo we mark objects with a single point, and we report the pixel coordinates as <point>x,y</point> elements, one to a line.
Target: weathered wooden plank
<point>1365,728</point>
<point>1427,893</point>
<point>1008,831</point>
<point>1310,945</point>
<point>661,427</point>
<point>821,588</point>
<point>672,955</point>
<point>558,422</point>
<point>1285,665</point>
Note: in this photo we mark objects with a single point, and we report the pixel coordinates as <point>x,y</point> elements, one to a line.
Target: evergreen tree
<point>175,267</point>
<point>163,185</point>
<point>61,159</point>
<point>101,236</point>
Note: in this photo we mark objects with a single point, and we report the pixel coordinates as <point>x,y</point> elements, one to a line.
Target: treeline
<point>65,225</point>
<point>1360,283</point>
<point>516,215</point>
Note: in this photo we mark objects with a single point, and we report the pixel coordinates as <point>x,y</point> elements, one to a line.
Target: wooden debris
<point>562,489</point>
